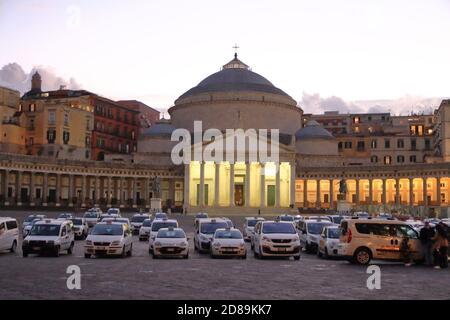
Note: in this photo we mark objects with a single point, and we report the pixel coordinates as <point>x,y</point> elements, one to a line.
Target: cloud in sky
<point>13,76</point>
<point>315,103</point>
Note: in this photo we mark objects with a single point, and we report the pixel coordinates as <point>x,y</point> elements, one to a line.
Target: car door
<point>323,239</point>
<point>3,236</point>
<point>414,242</point>
<point>12,232</point>
<point>385,242</point>
<point>64,238</point>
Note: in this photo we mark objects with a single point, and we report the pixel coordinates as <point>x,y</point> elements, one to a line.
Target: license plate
<point>229,250</point>
<point>170,249</point>
<point>36,248</point>
<point>282,249</point>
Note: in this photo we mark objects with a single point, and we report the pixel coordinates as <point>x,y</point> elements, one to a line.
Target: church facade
<point>305,174</point>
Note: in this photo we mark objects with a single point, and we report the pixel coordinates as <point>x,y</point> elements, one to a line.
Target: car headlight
<point>204,238</point>
<point>216,244</point>
<point>265,239</point>
<point>157,244</point>
<point>242,245</point>
<point>88,242</point>
<point>183,244</point>
<point>115,243</point>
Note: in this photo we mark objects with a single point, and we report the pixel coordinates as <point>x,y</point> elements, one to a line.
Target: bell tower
<point>36,82</point>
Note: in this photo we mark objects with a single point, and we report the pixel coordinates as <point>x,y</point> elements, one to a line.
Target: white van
<point>9,234</point>
<point>51,236</point>
<point>362,240</point>
<point>204,232</point>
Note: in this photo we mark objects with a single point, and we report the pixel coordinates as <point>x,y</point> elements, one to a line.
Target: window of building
<point>51,117</point>
<point>427,144</point>
<point>361,146</point>
<point>356,119</point>
<point>387,143</point>
<point>51,136</point>
<point>87,154</point>
<point>66,118</point>
<point>88,124</point>
<point>400,159</point>
<point>412,159</point>
<point>374,159</point>
<point>347,144</point>
<point>356,129</point>
<point>32,107</point>
<point>132,135</point>
<point>87,141</point>
<point>20,107</point>
<point>369,118</point>
<point>387,159</point>
<point>66,137</point>
<point>373,144</point>
<point>400,143</point>
<point>413,144</point>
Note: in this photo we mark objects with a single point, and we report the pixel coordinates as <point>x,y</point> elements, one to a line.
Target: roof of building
<point>313,130</point>
<point>135,104</point>
<point>162,128</point>
<point>234,76</point>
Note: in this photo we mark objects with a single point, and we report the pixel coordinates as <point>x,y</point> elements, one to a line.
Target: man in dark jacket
<point>426,236</point>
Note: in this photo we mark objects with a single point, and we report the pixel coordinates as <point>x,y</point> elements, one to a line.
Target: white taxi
<point>80,227</point>
<point>109,238</point>
<point>156,225</point>
<point>171,242</point>
<point>137,220</point>
<point>145,229</point>
<point>328,242</point>
<point>228,242</point>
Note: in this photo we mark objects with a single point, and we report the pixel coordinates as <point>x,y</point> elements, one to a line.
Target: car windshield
<point>211,227</point>
<point>171,234</point>
<point>113,211</point>
<point>77,222</point>
<point>158,225</point>
<point>201,215</point>
<point>147,223</point>
<point>30,219</point>
<point>108,230</point>
<point>252,222</point>
<point>45,230</point>
<point>139,218</point>
<point>286,218</point>
<point>316,227</point>
<point>333,233</point>
<point>228,234</point>
<point>276,227</point>
<point>90,215</point>
<point>160,216</point>
<point>337,220</point>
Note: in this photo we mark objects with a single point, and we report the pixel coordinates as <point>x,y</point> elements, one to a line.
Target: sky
<point>348,55</point>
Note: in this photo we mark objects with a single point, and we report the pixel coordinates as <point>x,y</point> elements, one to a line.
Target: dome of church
<point>234,76</point>
<point>162,128</point>
<point>313,130</point>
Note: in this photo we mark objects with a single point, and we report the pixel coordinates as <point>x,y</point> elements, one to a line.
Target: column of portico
<point>83,191</point>
<point>58,190</point>
<point>383,188</point>
<point>331,194</point>
<point>71,187</point>
<point>305,193</point>
<point>411,192</point>
<point>186,187</point>
<point>96,191</point>
<point>202,185</point>
<point>5,187</point>
<point>247,184</point>
<point>121,202</point>
<point>277,185</point>
<point>438,191</point>
<point>32,188</point>
<point>134,192</point>
<point>424,191</point>
<point>397,191</point>
<point>292,185</point>
<point>146,192</point>
<point>357,200</point>
<point>232,204</point>
<point>45,190</point>
<point>318,199</point>
<point>109,195</point>
<point>18,188</point>
<point>262,181</point>
<point>216,184</point>
<point>370,191</point>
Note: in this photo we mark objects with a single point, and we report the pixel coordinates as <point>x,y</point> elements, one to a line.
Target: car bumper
<point>37,248</point>
<point>103,251</point>
<point>235,251</point>
<point>171,251</point>
<point>205,246</point>
<point>286,251</point>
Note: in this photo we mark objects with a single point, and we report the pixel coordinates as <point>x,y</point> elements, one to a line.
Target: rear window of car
<point>147,223</point>
<point>228,234</point>
<point>276,227</point>
<point>252,222</point>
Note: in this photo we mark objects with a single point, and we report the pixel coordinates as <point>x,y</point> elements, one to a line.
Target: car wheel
<point>252,246</point>
<point>87,255</point>
<point>244,256</point>
<point>130,252</point>
<point>260,254</point>
<point>255,254</point>
<point>307,248</point>
<point>319,253</point>
<point>186,256</point>
<point>362,256</point>
<point>326,255</point>
<point>70,250</point>
<point>155,256</point>
<point>56,252</point>
<point>13,247</point>
<point>150,252</point>
<point>296,258</point>
<point>124,252</point>
<point>24,254</point>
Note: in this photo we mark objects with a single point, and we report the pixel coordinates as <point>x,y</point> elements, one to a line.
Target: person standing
<point>405,251</point>
<point>441,246</point>
<point>426,238</point>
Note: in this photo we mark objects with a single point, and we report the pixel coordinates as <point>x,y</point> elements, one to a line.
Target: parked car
<point>137,220</point>
<point>118,220</point>
<point>49,236</point>
<point>324,218</point>
<point>159,224</point>
<point>9,234</point>
<point>328,242</point>
<point>310,231</point>
<point>160,216</point>
<point>171,242</point>
<point>249,226</point>
<point>65,216</point>
<point>109,238</point>
<point>228,242</point>
<point>144,231</point>
<point>28,220</point>
<point>108,216</point>
<point>416,224</point>
<point>276,239</point>
<point>336,218</point>
<point>26,229</point>
<point>113,211</point>
<point>229,222</point>
<point>204,232</point>
<point>80,228</point>
<point>92,217</point>
<point>362,240</point>
<point>285,217</point>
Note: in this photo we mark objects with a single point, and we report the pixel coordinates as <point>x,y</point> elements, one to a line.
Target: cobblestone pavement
<point>200,277</point>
